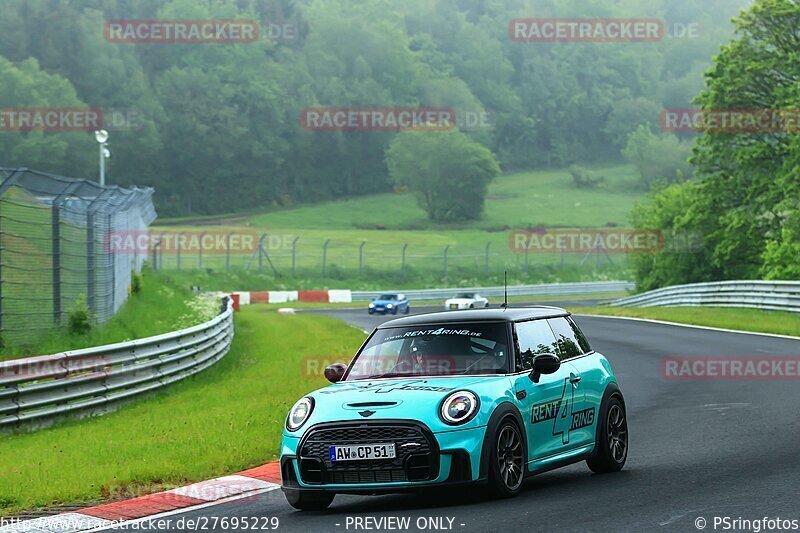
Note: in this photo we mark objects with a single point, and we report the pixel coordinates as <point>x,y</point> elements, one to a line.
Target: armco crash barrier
<point>346,296</point>
<point>758,294</point>
<point>90,380</point>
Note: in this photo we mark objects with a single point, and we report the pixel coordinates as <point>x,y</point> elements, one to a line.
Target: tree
<point>747,198</point>
<point>448,173</point>
<point>657,157</point>
<point>26,86</point>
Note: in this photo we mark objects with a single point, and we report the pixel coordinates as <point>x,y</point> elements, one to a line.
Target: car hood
<point>396,398</point>
<point>460,300</point>
<point>384,302</point>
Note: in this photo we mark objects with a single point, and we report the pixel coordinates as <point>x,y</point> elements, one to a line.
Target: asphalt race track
<point>697,449</point>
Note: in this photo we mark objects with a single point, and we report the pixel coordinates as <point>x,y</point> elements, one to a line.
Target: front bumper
<point>445,458</point>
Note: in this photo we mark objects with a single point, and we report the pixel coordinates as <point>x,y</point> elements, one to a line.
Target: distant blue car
<point>390,302</point>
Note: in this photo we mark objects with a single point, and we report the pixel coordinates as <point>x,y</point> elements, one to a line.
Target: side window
<point>568,345</point>
<point>534,337</point>
<point>582,341</point>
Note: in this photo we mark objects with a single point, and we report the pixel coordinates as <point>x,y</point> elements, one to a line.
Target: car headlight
<point>459,408</point>
<point>299,413</point>
<point>389,306</point>
<point>372,305</point>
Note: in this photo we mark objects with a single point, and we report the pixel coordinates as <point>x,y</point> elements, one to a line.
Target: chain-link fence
<point>318,256</point>
<point>54,249</point>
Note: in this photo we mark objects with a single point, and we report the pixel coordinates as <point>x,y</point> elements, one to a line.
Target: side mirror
<point>544,363</point>
<point>335,372</point>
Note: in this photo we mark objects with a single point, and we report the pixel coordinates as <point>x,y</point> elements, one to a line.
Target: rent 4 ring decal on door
<point>562,412</point>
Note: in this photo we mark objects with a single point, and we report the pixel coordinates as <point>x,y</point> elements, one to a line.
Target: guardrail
<point>91,379</point>
<point>771,295</point>
<point>545,289</point>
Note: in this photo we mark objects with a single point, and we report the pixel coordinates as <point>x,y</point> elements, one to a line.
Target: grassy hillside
<point>387,222</point>
<point>542,198</point>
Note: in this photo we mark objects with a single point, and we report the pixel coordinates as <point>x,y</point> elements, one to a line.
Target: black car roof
<point>510,314</point>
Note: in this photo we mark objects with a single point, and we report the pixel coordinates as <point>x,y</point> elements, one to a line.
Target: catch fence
<point>54,252</point>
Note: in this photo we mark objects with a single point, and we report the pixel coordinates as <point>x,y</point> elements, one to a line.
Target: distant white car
<point>466,300</point>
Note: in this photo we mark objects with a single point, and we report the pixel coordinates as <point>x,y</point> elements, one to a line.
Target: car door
<point>573,348</point>
<point>546,406</point>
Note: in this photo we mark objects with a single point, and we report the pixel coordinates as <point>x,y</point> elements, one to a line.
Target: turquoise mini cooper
<point>477,396</point>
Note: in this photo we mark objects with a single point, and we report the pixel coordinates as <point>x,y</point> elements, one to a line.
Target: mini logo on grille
<point>366,413</point>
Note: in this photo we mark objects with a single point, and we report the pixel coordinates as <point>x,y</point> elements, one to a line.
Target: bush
<point>780,257</point>
<point>658,157</point>
<point>447,171</point>
<point>585,178</point>
<point>80,319</point>
<point>136,283</point>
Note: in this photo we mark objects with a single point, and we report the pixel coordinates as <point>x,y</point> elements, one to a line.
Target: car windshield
<point>434,350</point>
<point>387,297</point>
<point>466,295</point>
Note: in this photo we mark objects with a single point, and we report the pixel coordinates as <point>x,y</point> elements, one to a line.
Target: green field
<point>541,198</point>
<point>387,222</point>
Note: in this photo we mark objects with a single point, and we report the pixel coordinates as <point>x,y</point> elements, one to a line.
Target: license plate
<point>362,452</point>
<point>453,306</point>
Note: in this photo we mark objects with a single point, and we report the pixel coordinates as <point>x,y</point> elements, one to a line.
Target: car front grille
<point>417,455</point>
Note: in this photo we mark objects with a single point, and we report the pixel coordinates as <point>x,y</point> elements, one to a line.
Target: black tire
<point>309,501</point>
<point>408,309</point>
<point>487,305</point>
<point>506,460</point>
<point>612,438</point>
<point>472,306</point>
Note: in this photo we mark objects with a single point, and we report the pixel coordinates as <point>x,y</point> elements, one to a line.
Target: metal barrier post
<point>200,251</point>
<point>56,253</point>
<point>1,266</point>
<point>325,256</point>
<point>294,253</point>
<point>178,248</point>
<point>90,288</point>
<point>361,257</point>
<point>112,267</point>
<point>228,252</point>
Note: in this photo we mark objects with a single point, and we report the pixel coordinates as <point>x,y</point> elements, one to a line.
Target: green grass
<point>163,305</point>
<point>779,322</point>
<point>546,198</point>
<point>384,280</point>
<point>387,222</point>
<point>223,420</point>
